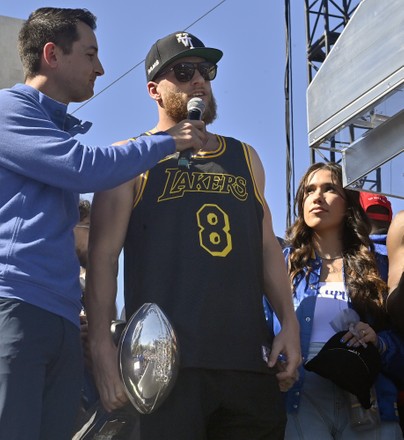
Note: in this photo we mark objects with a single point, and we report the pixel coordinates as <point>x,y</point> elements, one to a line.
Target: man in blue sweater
<point>42,171</point>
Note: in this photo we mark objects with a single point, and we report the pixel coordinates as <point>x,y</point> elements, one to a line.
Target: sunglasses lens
<point>184,72</point>
<point>207,70</point>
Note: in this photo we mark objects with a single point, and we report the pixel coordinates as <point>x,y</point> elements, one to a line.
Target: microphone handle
<point>184,159</point>
<point>195,114</point>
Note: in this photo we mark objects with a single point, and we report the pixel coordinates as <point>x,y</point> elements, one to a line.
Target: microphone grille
<point>196,104</point>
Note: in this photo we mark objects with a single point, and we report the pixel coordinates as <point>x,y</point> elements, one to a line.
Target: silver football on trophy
<point>148,358</point>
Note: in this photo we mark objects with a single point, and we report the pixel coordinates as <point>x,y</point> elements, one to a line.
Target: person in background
<point>199,243</point>
<point>379,212</point>
<point>332,269</point>
<point>89,396</point>
<point>43,168</point>
<point>81,236</point>
<point>395,250</point>
<point>395,299</point>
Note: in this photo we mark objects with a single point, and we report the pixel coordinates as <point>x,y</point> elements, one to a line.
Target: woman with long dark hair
<point>333,273</point>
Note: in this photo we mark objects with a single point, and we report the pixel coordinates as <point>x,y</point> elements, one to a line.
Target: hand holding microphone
<point>190,136</point>
<point>195,108</point>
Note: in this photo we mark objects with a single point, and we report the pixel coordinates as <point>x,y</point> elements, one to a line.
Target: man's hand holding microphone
<point>190,134</point>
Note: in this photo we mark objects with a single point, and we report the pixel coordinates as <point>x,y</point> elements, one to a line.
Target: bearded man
<point>198,241</point>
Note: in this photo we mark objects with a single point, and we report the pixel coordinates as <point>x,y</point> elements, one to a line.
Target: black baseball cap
<point>354,369</point>
<point>174,46</point>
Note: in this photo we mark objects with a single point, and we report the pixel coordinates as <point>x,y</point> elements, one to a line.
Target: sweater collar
<point>57,111</point>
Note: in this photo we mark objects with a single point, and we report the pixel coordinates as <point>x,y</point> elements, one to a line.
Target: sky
<point>249,87</point>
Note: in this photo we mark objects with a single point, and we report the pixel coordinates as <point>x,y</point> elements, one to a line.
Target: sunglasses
<point>185,71</point>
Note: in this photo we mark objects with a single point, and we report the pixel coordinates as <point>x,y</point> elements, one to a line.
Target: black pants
<point>217,405</point>
<point>40,373</point>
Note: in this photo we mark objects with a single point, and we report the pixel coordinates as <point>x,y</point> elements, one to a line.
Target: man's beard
<point>176,108</point>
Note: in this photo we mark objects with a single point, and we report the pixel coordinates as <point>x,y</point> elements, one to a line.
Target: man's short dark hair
<point>57,25</point>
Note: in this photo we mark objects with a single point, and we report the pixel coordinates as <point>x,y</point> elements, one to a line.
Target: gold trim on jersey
<point>213,153</point>
<point>142,179</point>
<point>247,154</point>
<point>200,154</point>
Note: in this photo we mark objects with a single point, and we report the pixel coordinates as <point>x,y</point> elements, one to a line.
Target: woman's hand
<point>360,333</point>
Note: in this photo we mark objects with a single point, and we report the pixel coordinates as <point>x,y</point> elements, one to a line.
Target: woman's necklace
<point>333,265</point>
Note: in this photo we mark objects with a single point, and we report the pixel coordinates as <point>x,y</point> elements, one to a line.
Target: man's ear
<point>153,89</point>
<point>50,54</point>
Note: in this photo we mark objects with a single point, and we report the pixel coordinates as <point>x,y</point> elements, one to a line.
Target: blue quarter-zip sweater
<point>43,169</point>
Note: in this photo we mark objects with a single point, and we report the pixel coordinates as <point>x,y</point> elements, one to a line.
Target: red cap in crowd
<point>371,199</point>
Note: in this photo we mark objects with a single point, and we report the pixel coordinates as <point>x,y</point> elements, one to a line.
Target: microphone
<point>195,108</point>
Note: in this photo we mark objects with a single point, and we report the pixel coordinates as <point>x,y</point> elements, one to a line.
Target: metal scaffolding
<point>355,93</point>
<point>325,20</point>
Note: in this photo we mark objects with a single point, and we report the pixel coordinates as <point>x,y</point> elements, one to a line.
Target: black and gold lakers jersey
<point>194,247</point>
